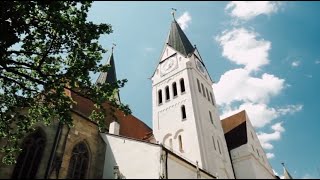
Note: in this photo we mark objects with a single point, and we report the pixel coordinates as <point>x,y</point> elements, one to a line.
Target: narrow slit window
<point>183,112</point>
<point>160,96</point>
<point>167,93</point>
<point>183,89</point>
<point>180,143</point>
<point>199,88</point>
<point>174,87</point>
<point>219,146</point>
<point>170,143</point>
<point>210,115</point>
<point>214,143</point>
<point>204,93</point>
<point>212,100</point>
<point>208,94</point>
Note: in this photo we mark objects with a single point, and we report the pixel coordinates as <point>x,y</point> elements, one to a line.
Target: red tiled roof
<point>130,126</point>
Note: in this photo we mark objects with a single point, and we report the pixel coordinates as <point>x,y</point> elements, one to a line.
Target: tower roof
<point>178,40</point>
<point>109,76</point>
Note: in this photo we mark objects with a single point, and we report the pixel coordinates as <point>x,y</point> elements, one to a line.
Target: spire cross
<point>173,11</point>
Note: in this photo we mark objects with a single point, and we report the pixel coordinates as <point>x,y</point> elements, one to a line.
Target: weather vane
<point>173,11</point>
<point>113,45</point>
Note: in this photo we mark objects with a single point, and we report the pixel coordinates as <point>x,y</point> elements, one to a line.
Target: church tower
<point>110,76</point>
<point>185,114</point>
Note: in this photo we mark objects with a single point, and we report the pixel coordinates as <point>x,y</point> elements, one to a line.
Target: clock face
<point>168,65</point>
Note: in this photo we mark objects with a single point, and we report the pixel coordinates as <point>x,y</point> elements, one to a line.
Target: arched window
<point>174,87</point>
<point>29,159</point>
<point>79,161</point>
<point>199,88</point>
<point>183,112</point>
<point>180,143</point>
<point>160,97</point>
<point>183,89</point>
<point>167,93</point>
<point>204,93</point>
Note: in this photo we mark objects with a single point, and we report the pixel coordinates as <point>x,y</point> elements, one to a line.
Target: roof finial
<point>113,45</point>
<point>282,164</point>
<point>172,12</point>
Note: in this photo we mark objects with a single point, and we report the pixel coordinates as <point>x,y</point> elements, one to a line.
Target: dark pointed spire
<point>110,76</point>
<point>286,173</point>
<point>178,40</point>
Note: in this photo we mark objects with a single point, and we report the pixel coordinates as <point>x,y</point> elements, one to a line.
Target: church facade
<point>188,139</point>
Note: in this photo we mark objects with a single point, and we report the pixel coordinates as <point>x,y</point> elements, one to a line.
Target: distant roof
<point>235,130</point>
<point>178,40</point>
<point>130,126</point>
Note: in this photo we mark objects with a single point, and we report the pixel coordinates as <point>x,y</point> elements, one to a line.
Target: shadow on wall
<point>111,169</point>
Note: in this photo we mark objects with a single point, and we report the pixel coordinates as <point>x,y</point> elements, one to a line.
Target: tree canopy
<point>47,47</point>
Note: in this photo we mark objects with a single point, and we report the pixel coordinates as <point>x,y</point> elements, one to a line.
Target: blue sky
<point>263,56</point>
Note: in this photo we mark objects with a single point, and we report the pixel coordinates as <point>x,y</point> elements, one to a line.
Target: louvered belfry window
<point>79,161</point>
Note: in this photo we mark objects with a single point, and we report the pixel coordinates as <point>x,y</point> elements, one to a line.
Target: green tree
<point>45,48</point>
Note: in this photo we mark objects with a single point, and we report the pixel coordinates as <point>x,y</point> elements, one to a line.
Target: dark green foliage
<point>45,48</point>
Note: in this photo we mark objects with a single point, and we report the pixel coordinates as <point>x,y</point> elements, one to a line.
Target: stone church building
<point>187,140</point>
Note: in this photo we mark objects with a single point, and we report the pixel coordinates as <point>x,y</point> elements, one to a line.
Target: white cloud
<point>184,20</point>
<point>265,138</point>
<point>317,62</point>
<point>242,47</point>
<point>295,63</point>
<point>278,127</point>
<point>238,85</point>
<point>246,10</point>
<point>290,109</point>
<point>270,156</point>
<point>260,114</point>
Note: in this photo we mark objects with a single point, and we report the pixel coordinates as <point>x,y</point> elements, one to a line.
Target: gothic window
<point>210,117</point>
<point>160,96</point>
<point>180,143</point>
<point>183,112</point>
<point>167,93</point>
<point>207,94</point>
<point>199,88</point>
<point>212,98</point>
<point>252,135</point>
<point>204,93</point>
<point>214,143</point>
<point>174,87</point>
<point>182,85</point>
<point>79,161</point>
<point>29,159</point>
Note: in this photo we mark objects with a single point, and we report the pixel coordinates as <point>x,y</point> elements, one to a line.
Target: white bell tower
<point>185,115</point>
